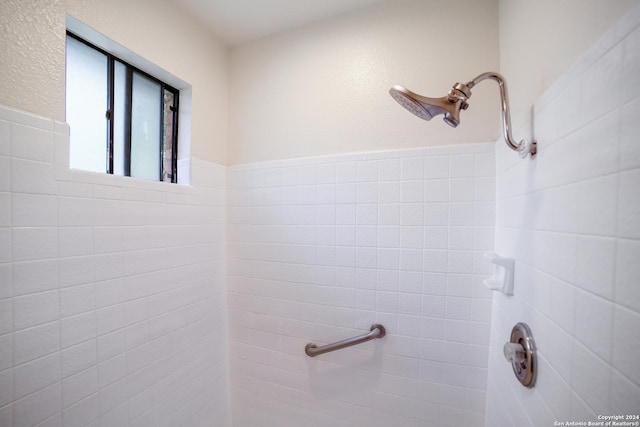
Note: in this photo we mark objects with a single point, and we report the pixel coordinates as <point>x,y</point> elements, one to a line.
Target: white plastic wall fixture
<point>502,279</point>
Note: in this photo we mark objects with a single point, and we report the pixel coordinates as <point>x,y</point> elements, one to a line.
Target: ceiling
<point>241,21</point>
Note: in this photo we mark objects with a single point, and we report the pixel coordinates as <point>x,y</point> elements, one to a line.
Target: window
<point>123,121</point>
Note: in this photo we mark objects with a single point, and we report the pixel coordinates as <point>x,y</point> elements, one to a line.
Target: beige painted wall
<point>539,39</point>
<point>32,50</point>
<point>32,42</point>
<point>322,88</point>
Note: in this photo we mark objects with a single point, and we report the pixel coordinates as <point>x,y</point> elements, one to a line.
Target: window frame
<point>130,70</point>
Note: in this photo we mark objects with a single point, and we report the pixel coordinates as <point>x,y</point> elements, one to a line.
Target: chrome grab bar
<point>377,331</point>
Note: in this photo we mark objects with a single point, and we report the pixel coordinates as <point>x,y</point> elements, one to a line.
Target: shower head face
<point>408,100</point>
<point>428,108</point>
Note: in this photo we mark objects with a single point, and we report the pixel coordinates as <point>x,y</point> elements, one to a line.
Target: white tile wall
<point>570,218</point>
<point>112,290</point>
<point>321,248</point>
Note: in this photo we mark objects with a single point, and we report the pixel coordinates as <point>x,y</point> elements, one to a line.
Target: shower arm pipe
<point>524,147</point>
<point>377,331</point>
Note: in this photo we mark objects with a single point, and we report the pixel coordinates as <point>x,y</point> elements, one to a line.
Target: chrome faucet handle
<point>514,352</point>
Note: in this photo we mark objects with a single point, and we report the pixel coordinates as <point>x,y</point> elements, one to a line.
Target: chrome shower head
<point>427,108</point>
<point>456,100</point>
